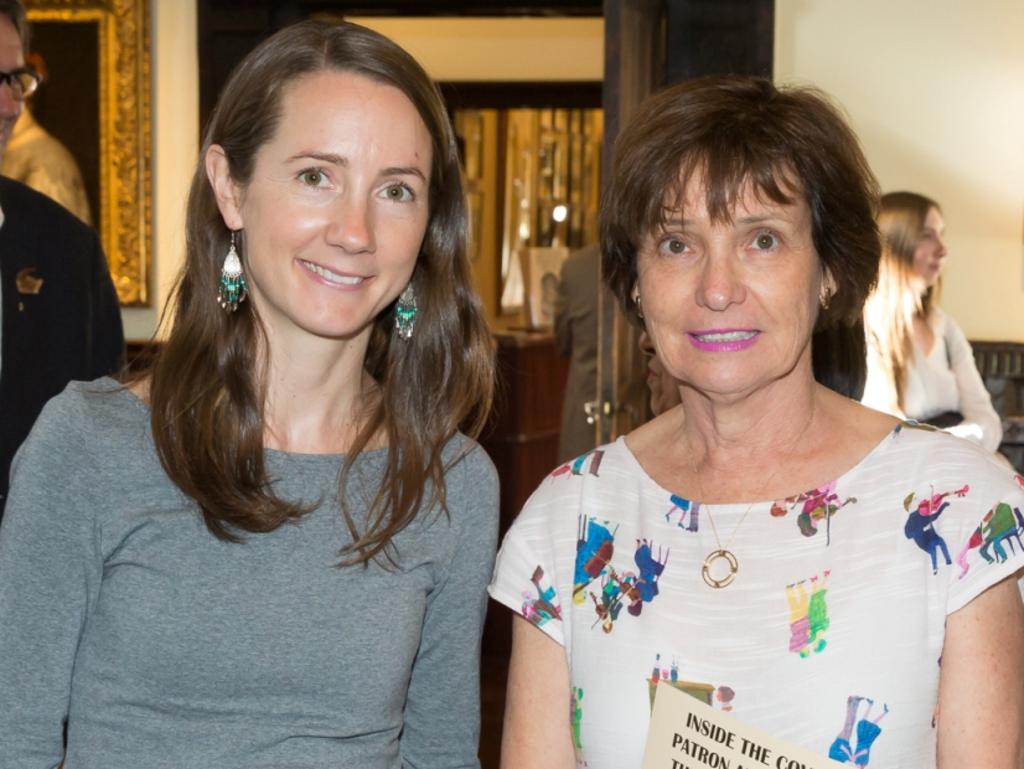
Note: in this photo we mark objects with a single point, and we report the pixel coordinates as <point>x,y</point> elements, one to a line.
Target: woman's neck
<point>785,438</point>
<point>720,435</point>
<point>318,394</point>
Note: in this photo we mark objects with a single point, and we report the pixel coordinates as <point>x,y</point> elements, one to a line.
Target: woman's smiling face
<point>730,306</point>
<point>336,209</point>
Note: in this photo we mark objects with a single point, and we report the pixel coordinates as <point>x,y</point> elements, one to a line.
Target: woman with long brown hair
<point>920,364</point>
<point>271,549</point>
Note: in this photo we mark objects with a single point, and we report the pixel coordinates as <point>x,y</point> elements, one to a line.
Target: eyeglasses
<point>23,82</point>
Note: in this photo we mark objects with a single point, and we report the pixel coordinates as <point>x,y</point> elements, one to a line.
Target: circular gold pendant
<point>731,562</point>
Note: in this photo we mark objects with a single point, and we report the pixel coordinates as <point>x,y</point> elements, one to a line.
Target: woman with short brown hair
<point>769,546</point>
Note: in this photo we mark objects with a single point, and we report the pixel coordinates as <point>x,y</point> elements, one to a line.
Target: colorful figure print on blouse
<point>636,588</point>
<point>576,713</point>
<point>1001,524</point>
<point>920,525</point>
<point>689,513</point>
<point>595,547</point>
<point>589,462</point>
<point>707,693</point>
<point>541,606</point>
<point>868,730</point>
<point>724,695</point>
<point>815,505</point>
<point>808,616</point>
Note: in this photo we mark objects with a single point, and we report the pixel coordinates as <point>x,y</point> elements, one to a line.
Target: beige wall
<point>936,92</point>
<point>500,48</point>
<point>175,94</point>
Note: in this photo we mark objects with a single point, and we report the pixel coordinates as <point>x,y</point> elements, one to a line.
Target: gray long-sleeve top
<point>165,647</point>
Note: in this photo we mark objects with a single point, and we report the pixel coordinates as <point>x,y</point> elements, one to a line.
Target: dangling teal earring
<point>233,290</point>
<point>405,313</point>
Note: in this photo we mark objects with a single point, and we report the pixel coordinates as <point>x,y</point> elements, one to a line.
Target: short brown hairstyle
<point>735,130</point>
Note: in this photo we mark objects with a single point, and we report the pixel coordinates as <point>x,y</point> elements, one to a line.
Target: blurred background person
<point>575,331</point>
<point>663,387</point>
<point>920,364</point>
<point>39,160</point>
<point>59,315</point>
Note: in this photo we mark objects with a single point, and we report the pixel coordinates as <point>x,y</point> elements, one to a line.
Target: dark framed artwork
<point>67,105</point>
<point>96,101</point>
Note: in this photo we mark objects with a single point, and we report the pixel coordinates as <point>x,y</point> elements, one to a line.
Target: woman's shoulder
<point>93,409</point>
<point>606,471</point>
<point>924,453</point>
<point>979,498</point>
<point>947,329</point>
<point>471,481</point>
<point>466,462</point>
<point>90,431</point>
<point>943,324</point>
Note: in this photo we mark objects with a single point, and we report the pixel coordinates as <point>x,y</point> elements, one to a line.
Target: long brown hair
<point>896,300</point>
<point>207,386</point>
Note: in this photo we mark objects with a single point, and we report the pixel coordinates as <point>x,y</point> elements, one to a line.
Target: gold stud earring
<point>639,308</point>
<point>825,295</point>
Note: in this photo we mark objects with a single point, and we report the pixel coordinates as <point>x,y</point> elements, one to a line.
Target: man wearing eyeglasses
<point>20,80</point>
<point>36,157</point>
<point>59,317</point>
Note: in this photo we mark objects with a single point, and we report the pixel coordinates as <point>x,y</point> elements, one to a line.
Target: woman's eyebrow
<point>332,158</point>
<point>404,171</point>
<point>323,157</point>
<point>774,216</point>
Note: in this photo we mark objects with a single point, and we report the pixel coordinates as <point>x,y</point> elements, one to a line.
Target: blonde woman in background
<point>920,364</point>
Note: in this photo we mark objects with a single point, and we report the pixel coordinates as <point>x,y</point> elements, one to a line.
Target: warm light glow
<point>560,212</point>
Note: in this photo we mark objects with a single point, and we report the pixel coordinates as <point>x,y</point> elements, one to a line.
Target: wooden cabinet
<point>522,438</point>
<point>522,435</point>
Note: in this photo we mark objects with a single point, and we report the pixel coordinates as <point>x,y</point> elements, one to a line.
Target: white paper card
<point>687,734</point>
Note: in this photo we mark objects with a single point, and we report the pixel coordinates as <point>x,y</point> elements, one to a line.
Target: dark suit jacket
<point>70,329</point>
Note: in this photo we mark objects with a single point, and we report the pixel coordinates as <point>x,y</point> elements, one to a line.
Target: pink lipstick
<point>724,339</point>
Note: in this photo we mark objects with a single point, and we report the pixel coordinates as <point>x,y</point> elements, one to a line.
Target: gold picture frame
<point>123,177</point>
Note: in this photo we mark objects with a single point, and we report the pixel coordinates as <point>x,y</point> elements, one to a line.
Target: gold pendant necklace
<point>710,558</point>
<point>722,554</point>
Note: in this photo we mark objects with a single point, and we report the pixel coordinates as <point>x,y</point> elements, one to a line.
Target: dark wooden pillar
<point>718,37</point>
<point>650,44</point>
<point>634,66</point>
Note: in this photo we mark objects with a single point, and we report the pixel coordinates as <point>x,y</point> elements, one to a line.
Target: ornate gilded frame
<point>126,190</point>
